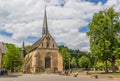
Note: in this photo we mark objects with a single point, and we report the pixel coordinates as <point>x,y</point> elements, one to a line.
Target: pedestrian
<point>76,74</point>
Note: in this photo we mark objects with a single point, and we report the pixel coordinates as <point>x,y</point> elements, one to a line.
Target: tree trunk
<point>105,55</point>
<point>106,68</point>
<point>113,65</point>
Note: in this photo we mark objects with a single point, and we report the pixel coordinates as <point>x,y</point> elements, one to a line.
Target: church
<point>44,54</point>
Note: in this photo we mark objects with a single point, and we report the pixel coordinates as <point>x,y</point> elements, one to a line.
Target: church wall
<point>38,60</point>
<point>34,60</point>
<point>60,62</point>
<point>32,63</point>
<point>54,58</point>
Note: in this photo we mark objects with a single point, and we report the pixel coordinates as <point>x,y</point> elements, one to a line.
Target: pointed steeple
<point>23,46</point>
<point>23,50</point>
<point>45,26</point>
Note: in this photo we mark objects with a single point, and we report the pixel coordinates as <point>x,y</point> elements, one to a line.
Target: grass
<point>111,73</point>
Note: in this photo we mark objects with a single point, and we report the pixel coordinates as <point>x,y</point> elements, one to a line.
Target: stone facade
<point>44,54</point>
<point>3,49</point>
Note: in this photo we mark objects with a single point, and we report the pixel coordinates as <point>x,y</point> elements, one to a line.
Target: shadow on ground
<point>10,76</point>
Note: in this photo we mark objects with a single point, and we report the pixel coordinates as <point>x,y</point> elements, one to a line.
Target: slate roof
<point>35,45</point>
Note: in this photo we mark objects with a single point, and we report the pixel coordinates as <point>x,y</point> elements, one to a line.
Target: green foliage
<point>74,70</point>
<point>12,58</point>
<point>72,56</point>
<point>104,41</point>
<point>65,54</point>
<point>74,62</point>
<point>118,62</point>
<point>78,54</point>
<point>104,73</point>
<point>84,62</point>
<point>27,47</point>
<point>102,65</point>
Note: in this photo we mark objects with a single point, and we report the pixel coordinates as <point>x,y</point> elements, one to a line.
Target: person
<point>63,72</point>
<point>87,72</point>
<point>1,72</point>
<point>66,73</point>
<point>76,74</point>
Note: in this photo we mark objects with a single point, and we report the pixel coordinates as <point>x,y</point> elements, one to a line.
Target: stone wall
<point>38,60</point>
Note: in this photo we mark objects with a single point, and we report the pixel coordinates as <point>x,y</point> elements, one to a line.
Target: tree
<point>66,56</point>
<point>27,48</point>
<point>84,62</point>
<point>12,58</point>
<point>74,62</point>
<point>78,54</point>
<point>118,64</point>
<point>104,41</point>
<point>101,65</point>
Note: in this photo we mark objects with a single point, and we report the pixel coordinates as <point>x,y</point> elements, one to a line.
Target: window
<point>47,62</point>
<point>42,44</point>
<point>53,45</point>
<point>48,42</point>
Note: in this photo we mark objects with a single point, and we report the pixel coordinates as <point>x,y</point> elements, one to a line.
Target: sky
<point>67,20</point>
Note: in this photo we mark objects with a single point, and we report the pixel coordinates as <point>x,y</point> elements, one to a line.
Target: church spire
<point>23,50</point>
<point>23,46</point>
<point>45,26</point>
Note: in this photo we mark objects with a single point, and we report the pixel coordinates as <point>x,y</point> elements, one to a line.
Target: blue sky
<point>2,32</point>
<point>67,20</point>
<point>97,1</point>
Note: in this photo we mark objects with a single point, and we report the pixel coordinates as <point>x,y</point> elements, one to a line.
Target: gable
<point>48,42</point>
<point>45,42</point>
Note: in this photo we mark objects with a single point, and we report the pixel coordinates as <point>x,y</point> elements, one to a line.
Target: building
<point>3,49</point>
<point>44,54</point>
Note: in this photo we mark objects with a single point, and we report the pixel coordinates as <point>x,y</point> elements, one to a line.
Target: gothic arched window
<point>47,61</point>
<point>42,44</point>
<point>48,41</point>
<point>53,45</point>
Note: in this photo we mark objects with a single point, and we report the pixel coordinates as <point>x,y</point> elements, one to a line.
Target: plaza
<point>60,40</point>
<point>50,77</point>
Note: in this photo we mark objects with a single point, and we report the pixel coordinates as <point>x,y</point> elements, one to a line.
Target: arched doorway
<point>47,61</point>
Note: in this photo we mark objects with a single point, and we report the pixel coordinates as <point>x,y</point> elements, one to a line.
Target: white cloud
<point>65,17</point>
<point>6,39</point>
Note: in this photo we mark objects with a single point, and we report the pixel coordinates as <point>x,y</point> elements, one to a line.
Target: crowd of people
<point>3,72</point>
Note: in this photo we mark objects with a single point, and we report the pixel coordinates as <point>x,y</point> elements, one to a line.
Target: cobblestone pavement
<point>48,77</point>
